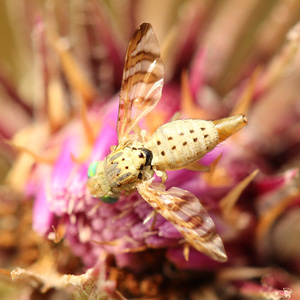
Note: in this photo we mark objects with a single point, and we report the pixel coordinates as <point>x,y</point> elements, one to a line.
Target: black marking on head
<point>205,135</point>
<point>174,147</point>
<point>158,142</point>
<point>126,167</point>
<point>141,155</point>
<point>115,156</point>
<point>184,144</point>
<point>123,159</point>
<point>149,156</point>
<point>202,128</point>
<point>192,131</point>
<point>195,139</point>
<point>162,153</point>
<point>170,138</point>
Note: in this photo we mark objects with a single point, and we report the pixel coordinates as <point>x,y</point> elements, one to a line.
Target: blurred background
<point>221,57</point>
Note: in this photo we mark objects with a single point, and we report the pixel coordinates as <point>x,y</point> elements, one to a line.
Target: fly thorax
<point>127,166</point>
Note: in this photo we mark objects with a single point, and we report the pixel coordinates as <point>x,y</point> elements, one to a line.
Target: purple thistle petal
<point>256,290</point>
<point>160,242</point>
<point>269,183</point>
<point>197,72</point>
<point>108,133</point>
<point>168,230</point>
<point>196,260</point>
<point>42,215</point>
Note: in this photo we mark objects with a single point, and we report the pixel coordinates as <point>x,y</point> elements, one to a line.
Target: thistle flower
<point>79,47</point>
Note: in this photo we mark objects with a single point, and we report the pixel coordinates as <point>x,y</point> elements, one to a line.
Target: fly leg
<point>153,215</point>
<point>162,174</point>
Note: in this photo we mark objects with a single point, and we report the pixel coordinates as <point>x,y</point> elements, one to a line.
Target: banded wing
<point>142,79</point>
<point>190,218</point>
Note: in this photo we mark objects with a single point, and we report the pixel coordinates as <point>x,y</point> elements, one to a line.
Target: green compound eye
<point>92,169</point>
<point>108,199</point>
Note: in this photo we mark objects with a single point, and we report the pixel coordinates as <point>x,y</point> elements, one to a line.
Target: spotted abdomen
<point>182,142</point>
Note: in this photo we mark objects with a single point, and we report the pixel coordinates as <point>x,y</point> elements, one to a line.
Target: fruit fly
<point>179,144</point>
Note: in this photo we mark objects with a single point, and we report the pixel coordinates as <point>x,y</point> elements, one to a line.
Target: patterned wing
<point>190,218</point>
<point>142,79</point>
